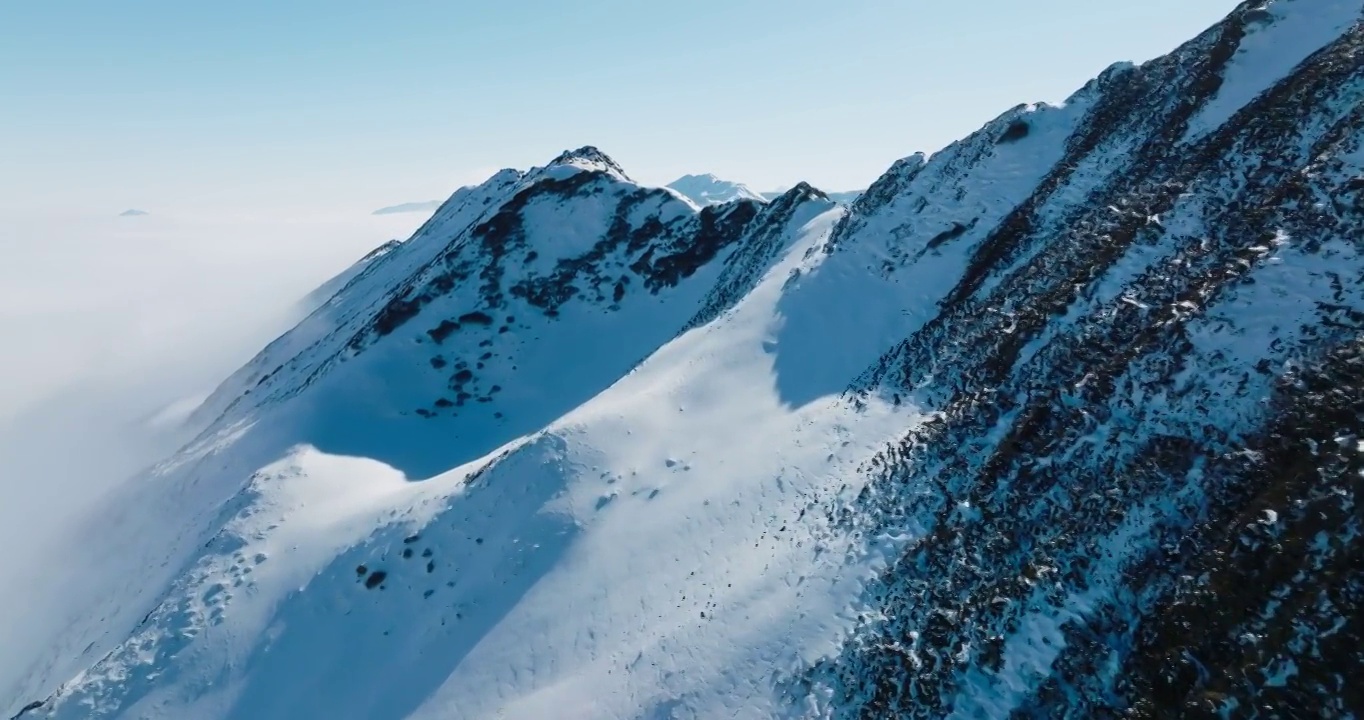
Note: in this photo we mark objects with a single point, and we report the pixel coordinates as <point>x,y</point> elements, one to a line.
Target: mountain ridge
<point>1062,421</point>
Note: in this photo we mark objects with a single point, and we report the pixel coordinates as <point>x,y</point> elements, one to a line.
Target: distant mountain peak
<point>133,212</point>
<point>805,189</point>
<point>708,189</point>
<point>409,207</point>
<point>703,177</point>
<point>842,198</point>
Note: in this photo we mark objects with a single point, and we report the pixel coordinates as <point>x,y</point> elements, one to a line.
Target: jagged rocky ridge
<point>771,236</point>
<point>1098,445</point>
<point>1138,495</point>
<point>482,285</point>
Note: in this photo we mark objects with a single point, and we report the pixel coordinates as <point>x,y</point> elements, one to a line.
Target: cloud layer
<point>111,330</point>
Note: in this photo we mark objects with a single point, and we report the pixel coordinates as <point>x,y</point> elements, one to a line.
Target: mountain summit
<point>1064,421</point>
<point>710,190</point>
<point>589,158</point>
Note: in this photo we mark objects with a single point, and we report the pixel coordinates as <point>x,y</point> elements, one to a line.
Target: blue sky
<point>323,106</point>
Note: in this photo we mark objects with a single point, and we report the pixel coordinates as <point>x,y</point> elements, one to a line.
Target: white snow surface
<point>710,190</point>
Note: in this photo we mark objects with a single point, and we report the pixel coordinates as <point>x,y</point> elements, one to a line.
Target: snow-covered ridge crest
<point>587,158</point>
<point>563,218</point>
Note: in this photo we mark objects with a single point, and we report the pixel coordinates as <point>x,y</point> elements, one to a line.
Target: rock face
<point>1066,421</point>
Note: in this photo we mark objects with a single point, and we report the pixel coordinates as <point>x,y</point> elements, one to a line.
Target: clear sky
<point>255,106</point>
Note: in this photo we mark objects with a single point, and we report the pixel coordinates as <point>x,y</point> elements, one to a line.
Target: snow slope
<point>1062,421</point>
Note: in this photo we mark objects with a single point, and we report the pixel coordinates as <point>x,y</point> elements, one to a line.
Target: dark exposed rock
<point>759,246</point>
<point>35,705</point>
<point>719,226</point>
<point>397,312</point>
<point>1017,130</point>
<point>444,330</point>
<point>1268,604</point>
<point>952,233</point>
<point>476,317</point>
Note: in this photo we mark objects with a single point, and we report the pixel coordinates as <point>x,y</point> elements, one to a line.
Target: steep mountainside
<point>1139,486</point>
<point>1065,421</point>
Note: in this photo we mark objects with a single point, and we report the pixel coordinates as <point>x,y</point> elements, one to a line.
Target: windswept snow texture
<point>707,190</point>
<point>1065,421</point>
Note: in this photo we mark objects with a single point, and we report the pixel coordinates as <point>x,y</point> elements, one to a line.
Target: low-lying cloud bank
<point>111,332</point>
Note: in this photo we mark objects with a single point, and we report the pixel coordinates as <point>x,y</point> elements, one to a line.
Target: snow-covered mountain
<point>705,190</point>
<point>1064,421</point>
